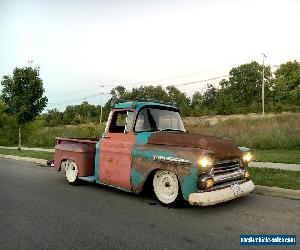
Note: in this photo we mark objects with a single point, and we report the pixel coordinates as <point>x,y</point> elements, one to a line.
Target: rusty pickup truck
<point>146,141</point>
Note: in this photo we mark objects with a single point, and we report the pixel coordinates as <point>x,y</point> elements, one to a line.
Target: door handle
<point>106,137</point>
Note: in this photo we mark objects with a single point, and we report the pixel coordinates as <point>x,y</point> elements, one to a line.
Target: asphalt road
<point>40,210</point>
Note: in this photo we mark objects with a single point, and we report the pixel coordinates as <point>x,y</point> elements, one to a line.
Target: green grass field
<point>279,155</point>
<point>273,138</point>
<point>275,178</point>
<point>281,131</point>
<point>28,153</point>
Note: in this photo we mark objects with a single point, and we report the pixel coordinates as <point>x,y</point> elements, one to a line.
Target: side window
<point>121,121</point>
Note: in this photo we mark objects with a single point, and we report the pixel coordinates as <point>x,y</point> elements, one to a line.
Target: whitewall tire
<point>71,171</point>
<point>166,187</point>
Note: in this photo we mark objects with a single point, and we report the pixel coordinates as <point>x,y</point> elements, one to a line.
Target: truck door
<point>115,150</point>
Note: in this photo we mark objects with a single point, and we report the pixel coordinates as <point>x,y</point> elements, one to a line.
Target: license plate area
<point>236,189</point>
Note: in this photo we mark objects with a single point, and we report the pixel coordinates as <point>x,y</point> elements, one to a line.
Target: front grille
<point>223,172</point>
<point>226,166</point>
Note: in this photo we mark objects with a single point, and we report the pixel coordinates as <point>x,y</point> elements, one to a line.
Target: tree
<point>245,83</point>
<point>210,96</point>
<point>287,83</point>
<point>53,118</point>
<point>2,113</point>
<point>225,104</point>
<point>148,93</point>
<point>118,92</point>
<point>182,101</point>
<point>23,95</point>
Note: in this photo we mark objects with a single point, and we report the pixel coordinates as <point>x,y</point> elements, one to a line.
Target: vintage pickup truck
<point>146,141</point>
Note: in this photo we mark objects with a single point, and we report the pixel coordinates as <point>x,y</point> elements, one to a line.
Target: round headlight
<point>247,157</point>
<point>205,162</point>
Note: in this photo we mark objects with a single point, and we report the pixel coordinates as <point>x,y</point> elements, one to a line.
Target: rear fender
<point>80,153</point>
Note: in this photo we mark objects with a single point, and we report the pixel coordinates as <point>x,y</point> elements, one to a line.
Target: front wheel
<point>71,172</point>
<point>166,187</point>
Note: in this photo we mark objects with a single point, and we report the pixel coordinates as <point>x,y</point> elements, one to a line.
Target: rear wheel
<point>166,187</point>
<point>71,172</point>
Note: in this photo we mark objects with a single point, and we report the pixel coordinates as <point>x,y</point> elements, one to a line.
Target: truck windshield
<point>157,119</point>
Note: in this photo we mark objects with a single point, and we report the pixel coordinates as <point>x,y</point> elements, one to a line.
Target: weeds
<point>275,132</point>
<point>272,132</point>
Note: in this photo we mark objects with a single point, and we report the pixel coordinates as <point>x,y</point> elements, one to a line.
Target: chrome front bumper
<point>221,195</point>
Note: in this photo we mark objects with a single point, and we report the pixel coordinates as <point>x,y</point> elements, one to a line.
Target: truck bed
<point>80,150</point>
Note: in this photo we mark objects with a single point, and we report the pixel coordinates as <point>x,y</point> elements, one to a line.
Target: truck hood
<point>222,148</point>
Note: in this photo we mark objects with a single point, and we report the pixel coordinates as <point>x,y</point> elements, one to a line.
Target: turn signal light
<point>246,175</point>
<point>208,183</point>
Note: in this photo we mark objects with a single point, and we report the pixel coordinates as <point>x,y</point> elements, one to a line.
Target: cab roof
<point>140,104</point>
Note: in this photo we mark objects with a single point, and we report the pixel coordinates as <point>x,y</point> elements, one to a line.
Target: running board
<point>87,178</point>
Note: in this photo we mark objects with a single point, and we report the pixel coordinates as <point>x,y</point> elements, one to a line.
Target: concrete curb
<point>283,166</point>
<point>277,192</point>
<point>27,159</point>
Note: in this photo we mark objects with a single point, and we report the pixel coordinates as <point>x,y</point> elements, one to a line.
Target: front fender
<point>147,159</point>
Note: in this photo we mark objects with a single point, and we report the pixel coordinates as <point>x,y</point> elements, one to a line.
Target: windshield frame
<point>160,108</point>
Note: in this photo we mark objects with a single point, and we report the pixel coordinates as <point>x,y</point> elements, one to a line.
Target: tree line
<point>240,93</point>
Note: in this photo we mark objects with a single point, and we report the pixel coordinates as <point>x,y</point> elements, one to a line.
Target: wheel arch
<point>145,179</point>
<point>143,170</point>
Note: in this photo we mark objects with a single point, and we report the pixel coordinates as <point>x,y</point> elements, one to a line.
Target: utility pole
<point>263,85</point>
<point>101,108</point>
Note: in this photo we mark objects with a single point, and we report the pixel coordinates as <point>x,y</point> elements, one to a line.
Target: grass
<point>275,178</point>
<point>44,137</point>
<point>263,133</point>
<point>281,156</point>
<point>274,137</point>
<point>28,153</point>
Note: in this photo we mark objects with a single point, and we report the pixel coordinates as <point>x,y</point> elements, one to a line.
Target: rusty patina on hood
<point>222,148</point>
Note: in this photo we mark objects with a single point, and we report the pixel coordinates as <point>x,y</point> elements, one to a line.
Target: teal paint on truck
<point>245,149</point>
<point>143,137</point>
<point>136,177</point>
<point>189,183</point>
<point>139,105</point>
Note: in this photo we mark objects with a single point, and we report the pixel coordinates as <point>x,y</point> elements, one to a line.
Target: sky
<point>84,48</point>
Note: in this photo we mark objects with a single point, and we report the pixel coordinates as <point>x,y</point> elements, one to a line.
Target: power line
<point>80,91</point>
<point>75,100</point>
<point>141,83</point>
<point>134,83</point>
<point>176,85</point>
<point>201,81</point>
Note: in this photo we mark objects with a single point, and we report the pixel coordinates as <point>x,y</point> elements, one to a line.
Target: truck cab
<point>146,141</point>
